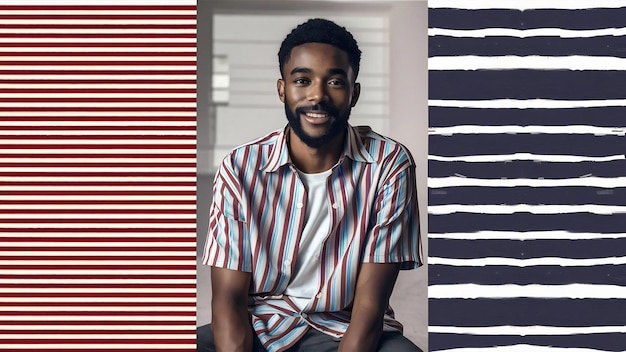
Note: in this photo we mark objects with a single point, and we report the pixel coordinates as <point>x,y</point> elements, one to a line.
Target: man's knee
<point>396,342</point>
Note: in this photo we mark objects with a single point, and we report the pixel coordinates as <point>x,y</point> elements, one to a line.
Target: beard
<point>337,126</point>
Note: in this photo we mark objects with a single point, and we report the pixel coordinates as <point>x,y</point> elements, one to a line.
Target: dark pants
<point>314,341</point>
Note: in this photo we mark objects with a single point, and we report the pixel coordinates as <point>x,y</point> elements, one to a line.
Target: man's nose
<point>317,93</point>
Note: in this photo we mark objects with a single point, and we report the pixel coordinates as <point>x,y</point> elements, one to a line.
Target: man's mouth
<point>317,115</point>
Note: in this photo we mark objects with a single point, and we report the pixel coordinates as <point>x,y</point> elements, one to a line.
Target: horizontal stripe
<point>99,346</point>
<point>129,262</point>
<point>466,222</point>
<point>554,48</point>
<point>84,224</point>
<point>556,312</point>
<point>574,291</point>
<point>93,208</point>
<point>558,144</point>
<point>526,33</point>
<point>529,235</point>
<point>96,309</point>
<point>70,243</point>
<point>113,254</point>
<point>64,11</point>
<point>584,182</point>
<point>451,116</point>
<point>525,104</point>
<point>477,129</point>
<point>53,337</point>
<point>578,343</point>
<point>530,169</point>
<point>74,298</point>
<point>97,49</point>
<point>529,157</point>
<point>526,5</point>
<point>527,330</point>
<point>494,17</point>
<point>534,62</point>
<point>104,30</point>
<point>525,208</point>
<point>543,275</point>
<point>526,84</point>
<point>432,260</point>
<point>548,249</point>
<point>526,195</point>
<point>98,76</point>
<point>112,291</point>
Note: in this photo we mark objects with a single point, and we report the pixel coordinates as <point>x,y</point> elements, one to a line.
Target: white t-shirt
<point>304,280</point>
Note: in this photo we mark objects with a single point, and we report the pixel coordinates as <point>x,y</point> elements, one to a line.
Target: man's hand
<point>371,298</point>
<point>232,329</point>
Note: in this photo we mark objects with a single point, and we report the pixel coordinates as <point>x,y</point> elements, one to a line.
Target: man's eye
<point>300,81</point>
<point>336,82</point>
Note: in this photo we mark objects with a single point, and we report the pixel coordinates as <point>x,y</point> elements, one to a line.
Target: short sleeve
<point>227,244</point>
<point>395,235</point>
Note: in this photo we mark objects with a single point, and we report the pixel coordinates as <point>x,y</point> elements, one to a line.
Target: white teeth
<point>312,114</point>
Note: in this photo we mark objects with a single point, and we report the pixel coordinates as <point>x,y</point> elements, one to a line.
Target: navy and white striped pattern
<point>527,175</point>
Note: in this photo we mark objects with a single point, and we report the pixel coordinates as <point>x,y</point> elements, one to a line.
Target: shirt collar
<point>353,148</point>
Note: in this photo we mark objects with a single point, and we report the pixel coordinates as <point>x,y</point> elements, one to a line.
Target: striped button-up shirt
<point>257,216</point>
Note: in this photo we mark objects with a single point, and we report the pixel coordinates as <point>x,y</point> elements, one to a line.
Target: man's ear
<point>356,92</point>
<point>280,86</point>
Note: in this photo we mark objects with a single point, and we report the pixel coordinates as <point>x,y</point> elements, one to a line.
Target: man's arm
<point>232,329</point>
<point>371,298</point>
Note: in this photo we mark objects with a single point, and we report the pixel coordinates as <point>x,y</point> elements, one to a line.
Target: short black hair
<point>319,30</point>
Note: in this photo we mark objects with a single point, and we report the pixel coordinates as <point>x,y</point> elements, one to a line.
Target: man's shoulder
<point>257,147</point>
<point>382,147</point>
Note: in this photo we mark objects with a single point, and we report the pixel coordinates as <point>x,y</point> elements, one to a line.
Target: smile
<point>316,115</point>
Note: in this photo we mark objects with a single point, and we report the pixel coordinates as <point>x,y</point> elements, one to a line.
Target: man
<point>310,224</point>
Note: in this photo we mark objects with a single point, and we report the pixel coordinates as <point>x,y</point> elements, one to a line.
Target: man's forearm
<point>364,330</point>
<point>232,330</point>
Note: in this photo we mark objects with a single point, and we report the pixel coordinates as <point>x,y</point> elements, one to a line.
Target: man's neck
<point>314,160</point>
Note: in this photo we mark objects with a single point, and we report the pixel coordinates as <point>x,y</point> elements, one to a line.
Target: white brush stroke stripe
<point>65,245</point>
<point>535,62</point>
<point>534,330</point>
<point>527,103</point>
<point>527,157</point>
<point>573,291</point>
<point>95,49</point>
<point>523,263</point>
<point>571,129</point>
<point>523,236</point>
<point>96,40</point>
<point>520,347</point>
<point>601,182</point>
<point>526,33</point>
<point>526,4</point>
<point>524,208</point>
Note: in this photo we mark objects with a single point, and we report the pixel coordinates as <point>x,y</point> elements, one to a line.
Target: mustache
<point>330,110</point>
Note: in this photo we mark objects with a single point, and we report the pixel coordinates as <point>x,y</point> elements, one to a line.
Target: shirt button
<point>299,205</point>
<point>335,206</point>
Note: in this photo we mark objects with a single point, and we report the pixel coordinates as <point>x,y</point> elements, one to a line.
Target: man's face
<point>319,91</point>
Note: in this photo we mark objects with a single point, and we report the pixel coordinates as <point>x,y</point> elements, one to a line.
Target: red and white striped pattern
<point>97,177</point>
